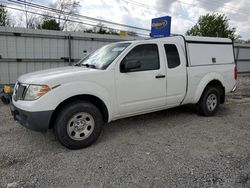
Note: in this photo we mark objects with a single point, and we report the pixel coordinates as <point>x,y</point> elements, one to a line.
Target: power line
<point>189,4</point>
<point>41,7</point>
<point>228,7</point>
<point>68,13</point>
<point>153,7</point>
<point>70,20</point>
<point>144,5</point>
<point>74,14</point>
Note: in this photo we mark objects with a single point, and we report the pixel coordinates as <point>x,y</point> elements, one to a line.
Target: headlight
<point>35,91</point>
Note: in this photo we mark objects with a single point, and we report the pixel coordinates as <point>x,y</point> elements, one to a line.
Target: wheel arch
<point>211,80</point>
<point>84,97</point>
<point>218,85</point>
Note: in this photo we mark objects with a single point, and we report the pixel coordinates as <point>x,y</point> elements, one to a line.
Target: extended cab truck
<point>125,79</point>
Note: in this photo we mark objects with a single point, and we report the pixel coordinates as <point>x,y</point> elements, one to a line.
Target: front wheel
<point>209,102</point>
<point>78,125</point>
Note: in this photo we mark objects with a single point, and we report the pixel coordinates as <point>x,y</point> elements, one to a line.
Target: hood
<point>55,75</point>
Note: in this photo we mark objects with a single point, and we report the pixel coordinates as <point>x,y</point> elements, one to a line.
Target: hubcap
<point>80,126</point>
<point>211,102</point>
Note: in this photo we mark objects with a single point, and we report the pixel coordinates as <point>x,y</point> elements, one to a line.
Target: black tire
<point>206,108</point>
<point>65,119</point>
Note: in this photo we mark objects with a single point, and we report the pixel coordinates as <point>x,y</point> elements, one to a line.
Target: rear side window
<point>147,54</point>
<point>172,55</point>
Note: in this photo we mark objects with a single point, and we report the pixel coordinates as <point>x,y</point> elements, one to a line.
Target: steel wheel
<point>80,126</point>
<point>211,102</point>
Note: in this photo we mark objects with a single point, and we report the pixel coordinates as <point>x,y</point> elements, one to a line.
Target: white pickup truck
<point>125,79</point>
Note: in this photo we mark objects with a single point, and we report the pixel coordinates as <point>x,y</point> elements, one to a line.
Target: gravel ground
<point>171,148</point>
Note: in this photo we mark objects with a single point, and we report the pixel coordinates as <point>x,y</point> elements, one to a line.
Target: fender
<point>83,87</point>
<point>204,82</point>
<point>52,99</point>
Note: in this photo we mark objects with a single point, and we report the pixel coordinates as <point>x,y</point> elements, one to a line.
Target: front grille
<point>19,91</point>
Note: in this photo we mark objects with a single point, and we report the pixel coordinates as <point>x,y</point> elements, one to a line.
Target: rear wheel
<point>78,125</point>
<point>209,102</point>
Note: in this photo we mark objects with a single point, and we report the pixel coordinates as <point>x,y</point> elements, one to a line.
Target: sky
<point>184,13</point>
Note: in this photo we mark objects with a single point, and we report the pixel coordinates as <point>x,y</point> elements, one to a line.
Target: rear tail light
<point>235,72</point>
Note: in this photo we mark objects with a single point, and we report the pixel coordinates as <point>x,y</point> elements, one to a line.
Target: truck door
<point>176,73</point>
<point>141,80</point>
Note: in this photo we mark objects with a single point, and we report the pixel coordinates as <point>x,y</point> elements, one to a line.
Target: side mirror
<point>130,65</point>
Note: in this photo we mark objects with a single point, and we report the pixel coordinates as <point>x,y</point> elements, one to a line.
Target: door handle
<point>160,76</point>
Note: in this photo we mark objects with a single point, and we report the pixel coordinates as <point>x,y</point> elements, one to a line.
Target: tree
<point>247,41</point>
<point>31,20</point>
<point>4,21</point>
<point>49,24</point>
<point>88,31</point>
<point>101,29</point>
<point>65,9</point>
<point>213,25</point>
<point>241,41</point>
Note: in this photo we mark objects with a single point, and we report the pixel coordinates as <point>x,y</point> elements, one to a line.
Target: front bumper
<point>37,121</point>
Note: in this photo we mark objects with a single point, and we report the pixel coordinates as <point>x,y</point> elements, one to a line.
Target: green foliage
<point>213,25</point>
<point>240,41</point>
<point>88,31</point>
<point>247,42</point>
<point>101,29</point>
<point>3,16</point>
<point>49,24</point>
<point>107,31</point>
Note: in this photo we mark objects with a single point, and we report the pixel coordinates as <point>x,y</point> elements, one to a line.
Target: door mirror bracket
<point>130,66</point>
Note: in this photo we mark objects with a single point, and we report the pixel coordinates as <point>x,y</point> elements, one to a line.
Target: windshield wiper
<point>88,65</point>
<point>77,64</point>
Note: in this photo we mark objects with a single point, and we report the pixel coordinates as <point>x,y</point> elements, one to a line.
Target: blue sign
<point>160,27</point>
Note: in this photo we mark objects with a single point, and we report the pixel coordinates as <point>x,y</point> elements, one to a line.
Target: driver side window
<point>146,54</point>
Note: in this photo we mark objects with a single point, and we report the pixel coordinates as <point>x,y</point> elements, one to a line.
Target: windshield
<point>104,56</point>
